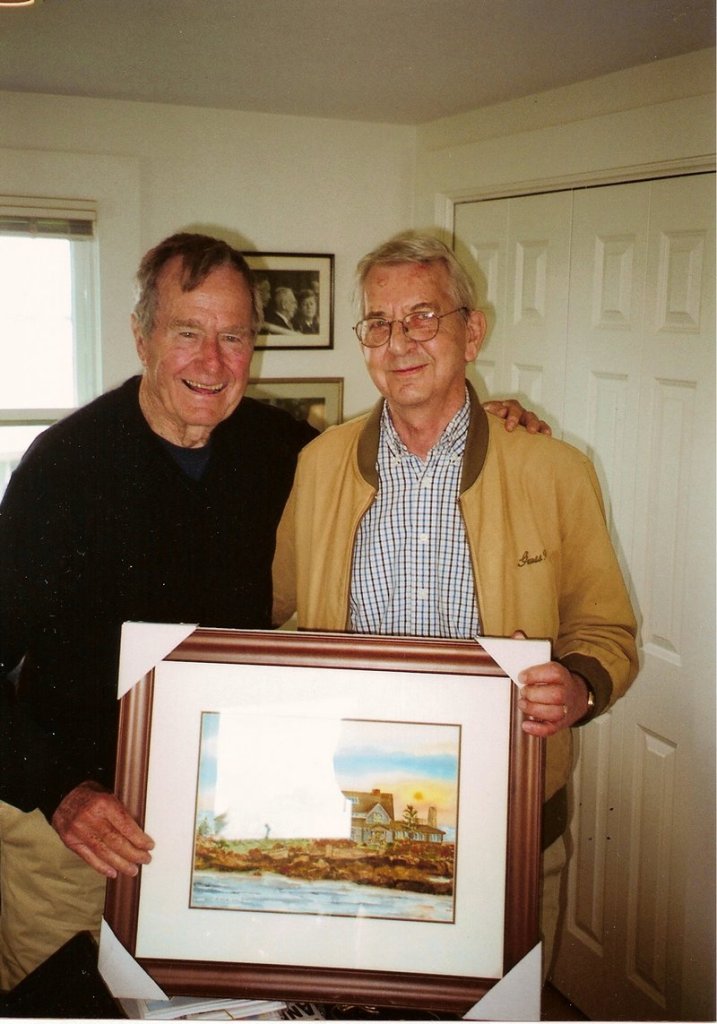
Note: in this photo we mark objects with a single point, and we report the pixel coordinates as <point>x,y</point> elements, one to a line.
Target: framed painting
<point>337,818</point>
<point>320,400</point>
<point>297,295</point>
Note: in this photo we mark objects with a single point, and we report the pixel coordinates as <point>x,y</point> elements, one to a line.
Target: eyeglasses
<point>423,325</point>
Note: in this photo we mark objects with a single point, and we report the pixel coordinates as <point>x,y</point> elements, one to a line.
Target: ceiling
<point>397,61</point>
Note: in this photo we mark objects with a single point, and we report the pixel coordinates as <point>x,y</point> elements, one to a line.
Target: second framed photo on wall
<point>297,293</point>
<point>316,399</point>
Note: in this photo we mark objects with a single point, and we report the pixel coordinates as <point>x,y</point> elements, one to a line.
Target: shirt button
<point>422,593</point>
<point>423,538</point>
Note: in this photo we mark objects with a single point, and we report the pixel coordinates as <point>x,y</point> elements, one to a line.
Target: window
<point>49,342</point>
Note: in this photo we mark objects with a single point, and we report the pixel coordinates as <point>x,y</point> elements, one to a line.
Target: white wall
<point>648,118</point>
<point>265,182</point>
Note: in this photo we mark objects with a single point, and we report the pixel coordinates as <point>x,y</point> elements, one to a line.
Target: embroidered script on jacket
<point>526,559</point>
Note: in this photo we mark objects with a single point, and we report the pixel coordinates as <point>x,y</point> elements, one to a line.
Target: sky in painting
<point>283,775</point>
<point>416,762</point>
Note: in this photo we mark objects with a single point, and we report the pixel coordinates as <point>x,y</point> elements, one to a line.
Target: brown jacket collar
<point>473,458</point>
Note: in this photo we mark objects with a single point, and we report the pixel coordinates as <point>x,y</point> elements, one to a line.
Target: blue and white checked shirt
<point>412,573</point>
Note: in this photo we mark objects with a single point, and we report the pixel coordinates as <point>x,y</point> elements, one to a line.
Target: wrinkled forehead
<point>406,284</point>
<point>178,278</point>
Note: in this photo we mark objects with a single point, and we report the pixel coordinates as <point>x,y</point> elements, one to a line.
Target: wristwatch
<point>591,703</point>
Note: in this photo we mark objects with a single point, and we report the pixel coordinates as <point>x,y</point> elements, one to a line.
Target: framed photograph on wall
<point>297,293</point>
<point>337,818</point>
<point>320,400</point>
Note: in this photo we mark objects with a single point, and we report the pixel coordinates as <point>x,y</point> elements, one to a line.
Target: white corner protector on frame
<point>515,655</point>
<point>122,974</point>
<point>515,997</point>
<point>143,645</point>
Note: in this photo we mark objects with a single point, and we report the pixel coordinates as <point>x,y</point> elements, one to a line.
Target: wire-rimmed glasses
<point>422,325</point>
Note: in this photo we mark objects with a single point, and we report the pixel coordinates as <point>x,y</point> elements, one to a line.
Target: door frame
<point>445,202</point>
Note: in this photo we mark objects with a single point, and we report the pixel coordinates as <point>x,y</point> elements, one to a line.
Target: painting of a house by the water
<point>392,852</point>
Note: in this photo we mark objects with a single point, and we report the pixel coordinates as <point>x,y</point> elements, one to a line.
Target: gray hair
<point>200,255</point>
<point>281,294</point>
<point>412,247</point>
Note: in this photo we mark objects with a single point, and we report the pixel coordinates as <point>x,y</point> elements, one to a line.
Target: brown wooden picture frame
<point>425,661</point>
<point>320,400</point>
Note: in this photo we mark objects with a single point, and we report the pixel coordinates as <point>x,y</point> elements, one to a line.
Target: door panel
<point>520,252</point>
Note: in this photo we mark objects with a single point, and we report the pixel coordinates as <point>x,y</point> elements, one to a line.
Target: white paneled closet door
<point>632,277</point>
<point>520,251</point>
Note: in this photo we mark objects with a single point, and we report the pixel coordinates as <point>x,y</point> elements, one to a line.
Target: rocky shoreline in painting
<point>408,866</point>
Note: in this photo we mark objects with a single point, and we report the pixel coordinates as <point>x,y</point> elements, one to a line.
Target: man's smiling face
<point>421,378</point>
<point>197,354</point>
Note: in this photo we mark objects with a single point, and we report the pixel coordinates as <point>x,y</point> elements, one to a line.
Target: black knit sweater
<point>99,525</point>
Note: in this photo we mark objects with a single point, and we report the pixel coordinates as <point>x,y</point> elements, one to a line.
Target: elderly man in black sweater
<point>157,502</point>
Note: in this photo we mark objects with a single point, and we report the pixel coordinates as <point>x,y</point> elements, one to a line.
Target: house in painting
<point>420,831</point>
<point>373,821</point>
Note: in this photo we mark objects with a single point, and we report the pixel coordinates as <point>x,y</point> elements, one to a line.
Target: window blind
<point>47,218</point>
<point>47,227</point>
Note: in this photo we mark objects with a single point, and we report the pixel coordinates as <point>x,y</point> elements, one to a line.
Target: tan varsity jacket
<point>542,558</point>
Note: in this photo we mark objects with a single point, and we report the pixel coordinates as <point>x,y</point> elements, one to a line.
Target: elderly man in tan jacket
<point>425,517</point>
